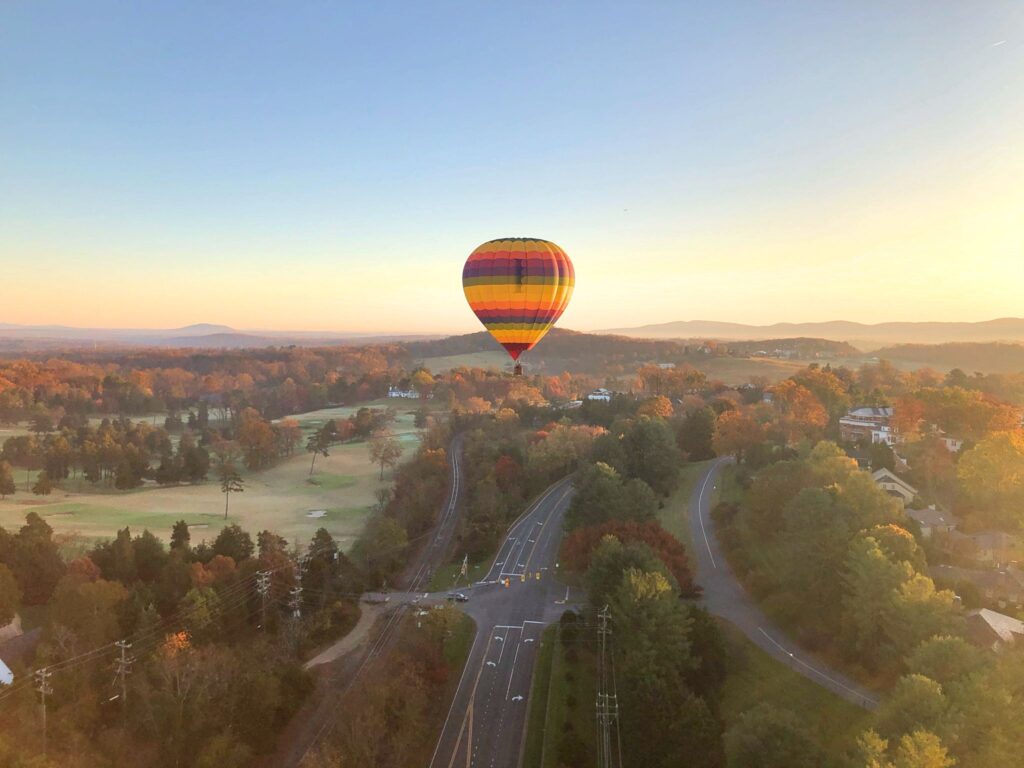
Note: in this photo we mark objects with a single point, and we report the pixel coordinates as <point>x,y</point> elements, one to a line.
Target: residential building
<point>953,444</point>
<point>892,484</point>
<point>410,394</point>
<point>994,630</point>
<point>604,395</point>
<point>867,424</point>
<point>985,547</point>
<point>932,519</point>
<point>997,587</point>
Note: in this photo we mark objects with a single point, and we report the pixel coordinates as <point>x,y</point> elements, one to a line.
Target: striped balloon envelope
<point>518,287</point>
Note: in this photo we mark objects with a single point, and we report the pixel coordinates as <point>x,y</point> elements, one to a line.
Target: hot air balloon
<point>518,287</point>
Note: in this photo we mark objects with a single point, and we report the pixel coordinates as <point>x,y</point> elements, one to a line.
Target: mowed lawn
<point>492,359</point>
<point>284,498</point>
<point>739,370</point>
<point>674,514</point>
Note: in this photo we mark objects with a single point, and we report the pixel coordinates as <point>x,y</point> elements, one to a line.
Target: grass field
<point>492,359</point>
<point>561,700</point>
<point>674,516</point>
<point>739,370</point>
<point>449,576</point>
<point>280,498</point>
<point>754,677</point>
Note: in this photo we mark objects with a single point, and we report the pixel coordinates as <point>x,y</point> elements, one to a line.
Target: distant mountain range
<point>866,337</point>
<point>200,335</point>
<point>862,335</point>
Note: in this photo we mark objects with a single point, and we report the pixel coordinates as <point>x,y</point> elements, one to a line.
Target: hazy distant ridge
<point>860,334</point>
<point>200,335</point>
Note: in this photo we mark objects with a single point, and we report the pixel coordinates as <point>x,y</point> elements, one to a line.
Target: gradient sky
<point>329,165</point>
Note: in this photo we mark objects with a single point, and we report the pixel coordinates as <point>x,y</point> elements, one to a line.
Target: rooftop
<point>865,412</point>
<point>931,517</point>
<point>1006,627</point>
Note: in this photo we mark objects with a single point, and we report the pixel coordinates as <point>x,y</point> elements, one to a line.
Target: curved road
<point>724,596</point>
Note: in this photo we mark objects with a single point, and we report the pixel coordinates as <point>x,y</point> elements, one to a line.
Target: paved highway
<point>724,596</point>
<point>486,723</point>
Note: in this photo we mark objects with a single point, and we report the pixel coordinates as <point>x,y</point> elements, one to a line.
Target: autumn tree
<point>7,486</point>
<point>659,406</point>
<point>36,561</point>
<point>914,703</point>
<point>42,486</point>
<point>86,613</point>
<point>651,453</point>
<point>767,737</point>
<point>696,433</point>
<point>736,432</point>
<point>602,494</point>
<point>256,439</point>
<point>233,542</point>
<point>10,595</point>
<point>318,444</point>
<point>180,536</point>
<point>830,390</point>
<point>381,549</point>
<point>801,413</point>
<point>422,382</point>
<point>579,546</point>
<point>385,450</point>
<point>230,481</point>
<point>991,477</point>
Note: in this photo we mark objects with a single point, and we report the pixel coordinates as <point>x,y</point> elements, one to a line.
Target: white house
<point>894,485</point>
<point>953,445</point>
<point>601,394</point>
<point>867,423</point>
<point>409,394</point>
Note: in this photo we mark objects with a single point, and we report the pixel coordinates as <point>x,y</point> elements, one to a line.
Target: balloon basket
<point>517,370</point>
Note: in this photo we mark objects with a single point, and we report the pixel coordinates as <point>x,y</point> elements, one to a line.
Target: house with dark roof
<point>1003,588</point>
<point>994,547</point>
<point>933,520</point>
<point>993,630</point>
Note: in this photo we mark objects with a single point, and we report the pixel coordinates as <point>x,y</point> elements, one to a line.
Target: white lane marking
<point>513,529</point>
<point>816,671</point>
<point>700,515</point>
<point>455,698</point>
<point>502,651</point>
<point>512,674</point>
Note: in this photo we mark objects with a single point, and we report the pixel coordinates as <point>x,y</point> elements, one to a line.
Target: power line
<point>607,705</point>
<point>44,688</point>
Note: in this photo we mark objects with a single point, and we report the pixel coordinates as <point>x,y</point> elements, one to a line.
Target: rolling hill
<point>863,335</point>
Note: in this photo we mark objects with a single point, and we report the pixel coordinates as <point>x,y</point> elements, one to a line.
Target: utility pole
<point>44,689</point>
<point>607,707</point>
<point>263,587</point>
<point>124,668</point>
<point>295,603</point>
